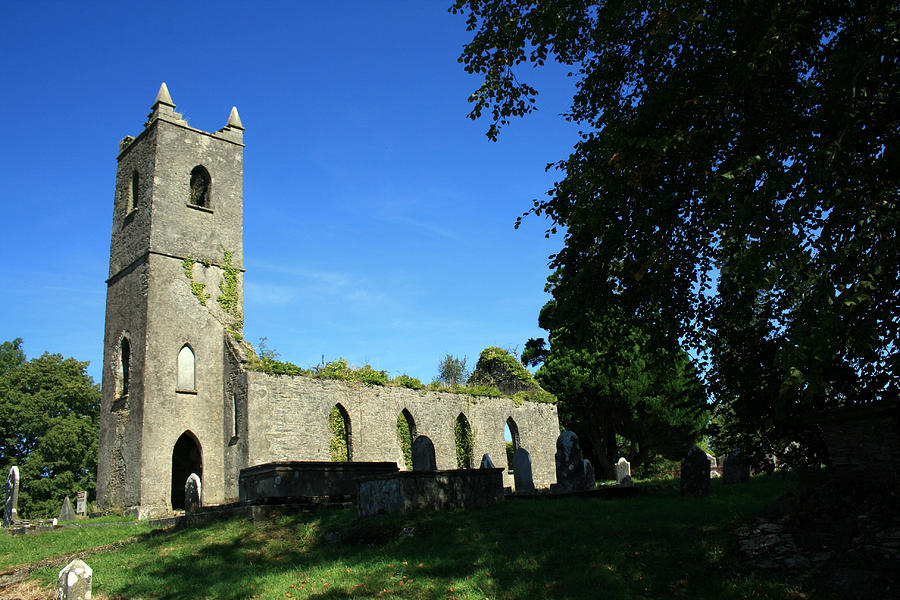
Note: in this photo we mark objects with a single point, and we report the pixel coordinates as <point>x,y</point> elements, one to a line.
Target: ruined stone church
<point>178,396</point>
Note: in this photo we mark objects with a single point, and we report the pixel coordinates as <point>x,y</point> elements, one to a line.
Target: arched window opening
<point>134,193</point>
<point>124,366</point>
<point>339,424</point>
<point>511,437</point>
<point>187,458</point>
<point>200,184</point>
<point>464,442</point>
<point>406,433</point>
<point>187,381</point>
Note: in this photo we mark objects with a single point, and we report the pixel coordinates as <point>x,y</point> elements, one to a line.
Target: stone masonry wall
<point>289,421</point>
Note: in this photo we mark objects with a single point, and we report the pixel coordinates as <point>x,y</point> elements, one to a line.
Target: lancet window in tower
<point>200,187</point>
<point>187,381</point>
<point>134,192</point>
<point>124,366</point>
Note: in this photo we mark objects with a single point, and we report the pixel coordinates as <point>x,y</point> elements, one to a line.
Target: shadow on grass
<point>659,545</point>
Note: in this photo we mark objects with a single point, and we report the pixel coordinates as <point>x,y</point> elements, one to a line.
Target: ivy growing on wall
<point>464,442</point>
<point>404,436</point>
<point>228,297</point>
<point>197,288</point>
<point>340,452</point>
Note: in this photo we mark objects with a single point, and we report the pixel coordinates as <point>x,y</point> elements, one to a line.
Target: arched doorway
<point>406,433</point>
<point>511,437</point>
<point>187,458</point>
<point>340,446</point>
<point>462,432</point>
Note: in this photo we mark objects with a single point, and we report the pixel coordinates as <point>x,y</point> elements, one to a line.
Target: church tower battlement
<point>173,310</point>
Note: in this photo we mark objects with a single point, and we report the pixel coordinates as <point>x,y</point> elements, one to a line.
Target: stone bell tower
<point>174,310</point>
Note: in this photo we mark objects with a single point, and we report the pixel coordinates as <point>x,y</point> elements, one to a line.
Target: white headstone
<point>623,468</point>
<point>12,497</point>
<point>192,493</point>
<point>74,581</point>
<point>81,503</point>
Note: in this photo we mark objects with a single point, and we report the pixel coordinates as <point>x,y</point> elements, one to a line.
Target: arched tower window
<point>339,446</point>
<point>511,437</point>
<point>464,442</point>
<point>187,458</point>
<point>187,381</point>
<point>124,365</point>
<point>200,186</point>
<point>134,192</point>
<point>406,433</point>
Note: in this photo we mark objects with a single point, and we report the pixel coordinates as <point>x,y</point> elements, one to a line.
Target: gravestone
<point>486,462</point>
<point>423,454</point>
<point>192,493</point>
<point>695,473</point>
<point>623,468</point>
<point>10,513</point>
<point>81,503</point>
<point>65,512</point>
<point>627,481</point>
<point>522,471</point>
<point>736,468</point>
<point>589,477</point>
<point>74,581</point>
<point>569,463</point>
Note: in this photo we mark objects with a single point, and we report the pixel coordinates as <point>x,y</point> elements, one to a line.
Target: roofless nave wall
<point>177,394</point>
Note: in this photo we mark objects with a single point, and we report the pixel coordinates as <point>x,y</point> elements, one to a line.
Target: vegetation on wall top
<point>499,368</point>
<point>265,360</point>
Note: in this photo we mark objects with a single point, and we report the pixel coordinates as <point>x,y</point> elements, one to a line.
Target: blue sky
<point>378,219</point>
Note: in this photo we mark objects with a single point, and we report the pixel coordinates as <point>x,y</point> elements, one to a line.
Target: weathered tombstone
<point>569,463</point>
<point>12,497</point>
<point>627,481</point>
<point>486,462</point>
<point>695,473</point>
<point>81,503</point>
<point>522,471</point>
<point>623,468</point>
<point>74,581</point>
<point>65,512</point>
<point>192,493</point>
<point>736,468</point>
<point>589,477</point>
<point>423,454</point>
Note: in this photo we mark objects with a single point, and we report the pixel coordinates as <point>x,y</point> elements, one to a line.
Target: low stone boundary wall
<point>865,436</point>
<point>421,490</point>
<point>298,479</point>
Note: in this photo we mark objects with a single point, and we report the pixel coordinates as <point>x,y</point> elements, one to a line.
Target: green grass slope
<point>658,545</point>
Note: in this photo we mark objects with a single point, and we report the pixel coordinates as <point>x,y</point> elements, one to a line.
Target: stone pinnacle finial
<point>234,119</point>
<point>163,96</point>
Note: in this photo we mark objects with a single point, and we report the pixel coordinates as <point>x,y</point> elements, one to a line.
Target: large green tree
<point>738,160</point>
<point>49,414</point>
<point>621,393</point>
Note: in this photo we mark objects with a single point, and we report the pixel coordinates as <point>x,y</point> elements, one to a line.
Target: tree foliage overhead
<point>734,185</point>
<point>49,418</point>
<point>613,385</point>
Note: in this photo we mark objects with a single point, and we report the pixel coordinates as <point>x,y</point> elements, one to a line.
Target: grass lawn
<point>658,545</point>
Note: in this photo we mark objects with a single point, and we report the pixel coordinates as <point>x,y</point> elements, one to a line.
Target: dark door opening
<point>186,459</point>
